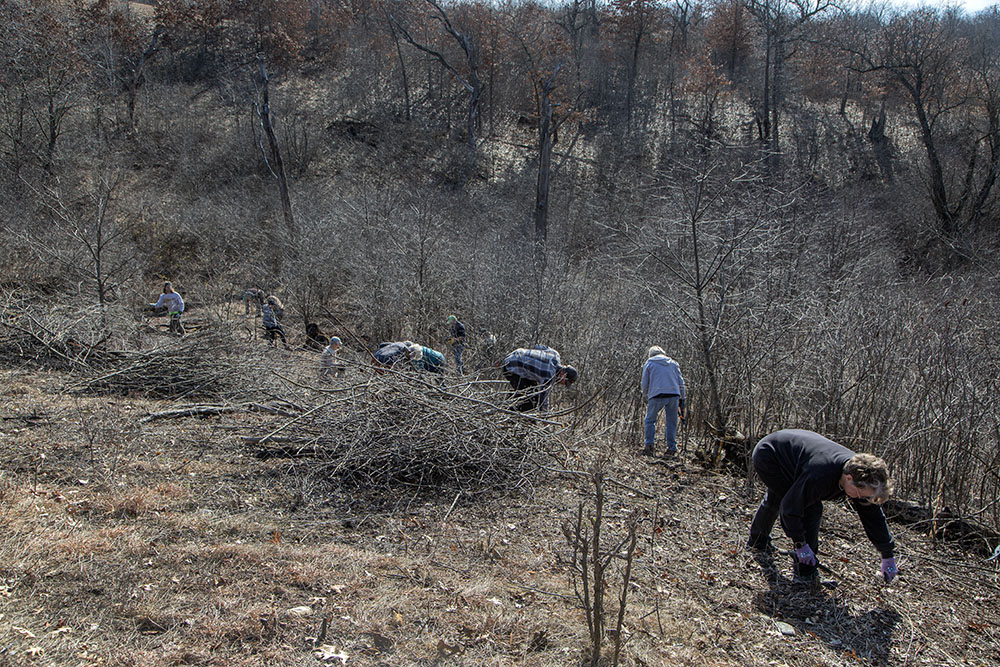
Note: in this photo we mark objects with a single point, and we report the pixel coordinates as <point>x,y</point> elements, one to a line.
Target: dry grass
<point>193,552</point>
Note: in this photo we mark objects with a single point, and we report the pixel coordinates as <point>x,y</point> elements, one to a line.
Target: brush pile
<point>193,367</point>
<point>392,432</point>
<point>52,340</point>
<point>83,341</point>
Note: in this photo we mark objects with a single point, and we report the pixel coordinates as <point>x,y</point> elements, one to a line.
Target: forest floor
<point>169,543</point>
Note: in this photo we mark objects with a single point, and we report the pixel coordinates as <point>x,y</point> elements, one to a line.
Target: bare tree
<point>782,22</point>
<point>85,236</point>
<point>402,64</point>
<point>548,127</point>
<point>275,164</point>
<point>470,80</point>
<point>592,570</point>
<point>636,21</point>
<point>42,82</point>
<point>136,71</point>
<point>700,241</point>
<point>579,20</point>
<point>953,88</point>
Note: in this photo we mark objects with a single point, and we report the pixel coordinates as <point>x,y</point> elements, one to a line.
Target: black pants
<point>523,386</point>
<point>270,333</point>
<point>778,484</point>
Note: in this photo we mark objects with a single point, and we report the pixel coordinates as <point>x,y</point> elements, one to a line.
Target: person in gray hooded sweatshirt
<point>662,389</point>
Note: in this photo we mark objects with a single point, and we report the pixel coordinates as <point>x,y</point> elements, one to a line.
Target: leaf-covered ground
<point>168,542</point>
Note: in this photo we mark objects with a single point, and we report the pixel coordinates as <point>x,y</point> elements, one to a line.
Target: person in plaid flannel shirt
<point>532,372</point>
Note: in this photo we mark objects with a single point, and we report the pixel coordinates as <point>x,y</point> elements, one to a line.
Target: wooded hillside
<point>798,201</point>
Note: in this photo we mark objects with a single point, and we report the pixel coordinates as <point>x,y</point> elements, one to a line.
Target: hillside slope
<point>168,542</point>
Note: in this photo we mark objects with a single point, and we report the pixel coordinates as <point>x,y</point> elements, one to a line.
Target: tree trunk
<point>402,69</point>
<point>764,117</point>
<point>776,92</point>
<point>777,67</point>
<point>545,134</point>
<point>475,87</point>
<point>54,122</point>
<point>278,167</point>
<point>880,143</point>
<point>136,75</point>
<point>939,192</point>
<point>704,326</point>
<point>633,75</point>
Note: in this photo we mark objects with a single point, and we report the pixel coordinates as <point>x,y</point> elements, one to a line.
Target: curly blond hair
<point>870,472</point>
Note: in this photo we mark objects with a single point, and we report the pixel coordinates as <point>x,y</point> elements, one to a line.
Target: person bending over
<point>801,469</point>
<point>532,372</point>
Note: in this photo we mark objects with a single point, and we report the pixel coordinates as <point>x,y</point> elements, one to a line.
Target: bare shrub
<point>109,434</point>
<point>55,335</point>
<point>592,570</point>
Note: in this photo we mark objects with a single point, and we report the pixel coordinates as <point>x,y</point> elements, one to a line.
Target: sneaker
<point>648,450</point>
<point>806,579</point>
<point>805,573</point>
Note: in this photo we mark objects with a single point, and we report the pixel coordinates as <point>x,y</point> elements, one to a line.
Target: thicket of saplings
<point>904,367</point>
<point>811,297</point>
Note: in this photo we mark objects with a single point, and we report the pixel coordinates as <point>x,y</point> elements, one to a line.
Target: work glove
<point>805,555</point>
<point>889,569</point>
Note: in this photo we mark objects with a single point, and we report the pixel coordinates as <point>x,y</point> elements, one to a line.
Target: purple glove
<point>805,555</point>
<point>889,569</point>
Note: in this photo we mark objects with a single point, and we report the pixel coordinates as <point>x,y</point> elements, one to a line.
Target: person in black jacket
<point>315,338</point>
<point>456,331</point>
<point>801,469</point>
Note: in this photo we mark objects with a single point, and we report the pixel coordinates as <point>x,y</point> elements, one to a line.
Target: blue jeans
<point>457,350</point>
<point>669,405</point>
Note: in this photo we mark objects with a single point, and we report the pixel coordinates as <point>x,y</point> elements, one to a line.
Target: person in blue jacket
<point>801,469</point>
<point>663,389</point>
<point>389,354</point>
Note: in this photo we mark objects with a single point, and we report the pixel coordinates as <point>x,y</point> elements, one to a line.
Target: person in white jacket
<point>329,360</point>
<point>174,304</point>
<point>662,389</point>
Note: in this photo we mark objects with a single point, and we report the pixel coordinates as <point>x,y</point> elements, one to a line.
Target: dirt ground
<point>169,543</point>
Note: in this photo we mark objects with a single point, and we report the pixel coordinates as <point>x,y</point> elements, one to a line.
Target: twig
<point>257,407</point>
<point>290,422</point>
<point>448,513</point>
<point>541,592</point>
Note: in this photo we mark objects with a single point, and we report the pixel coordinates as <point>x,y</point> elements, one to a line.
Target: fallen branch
<point>287,452</point>
<point>191,411</point>
<point>255,440</point>
<point>257,407</point>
